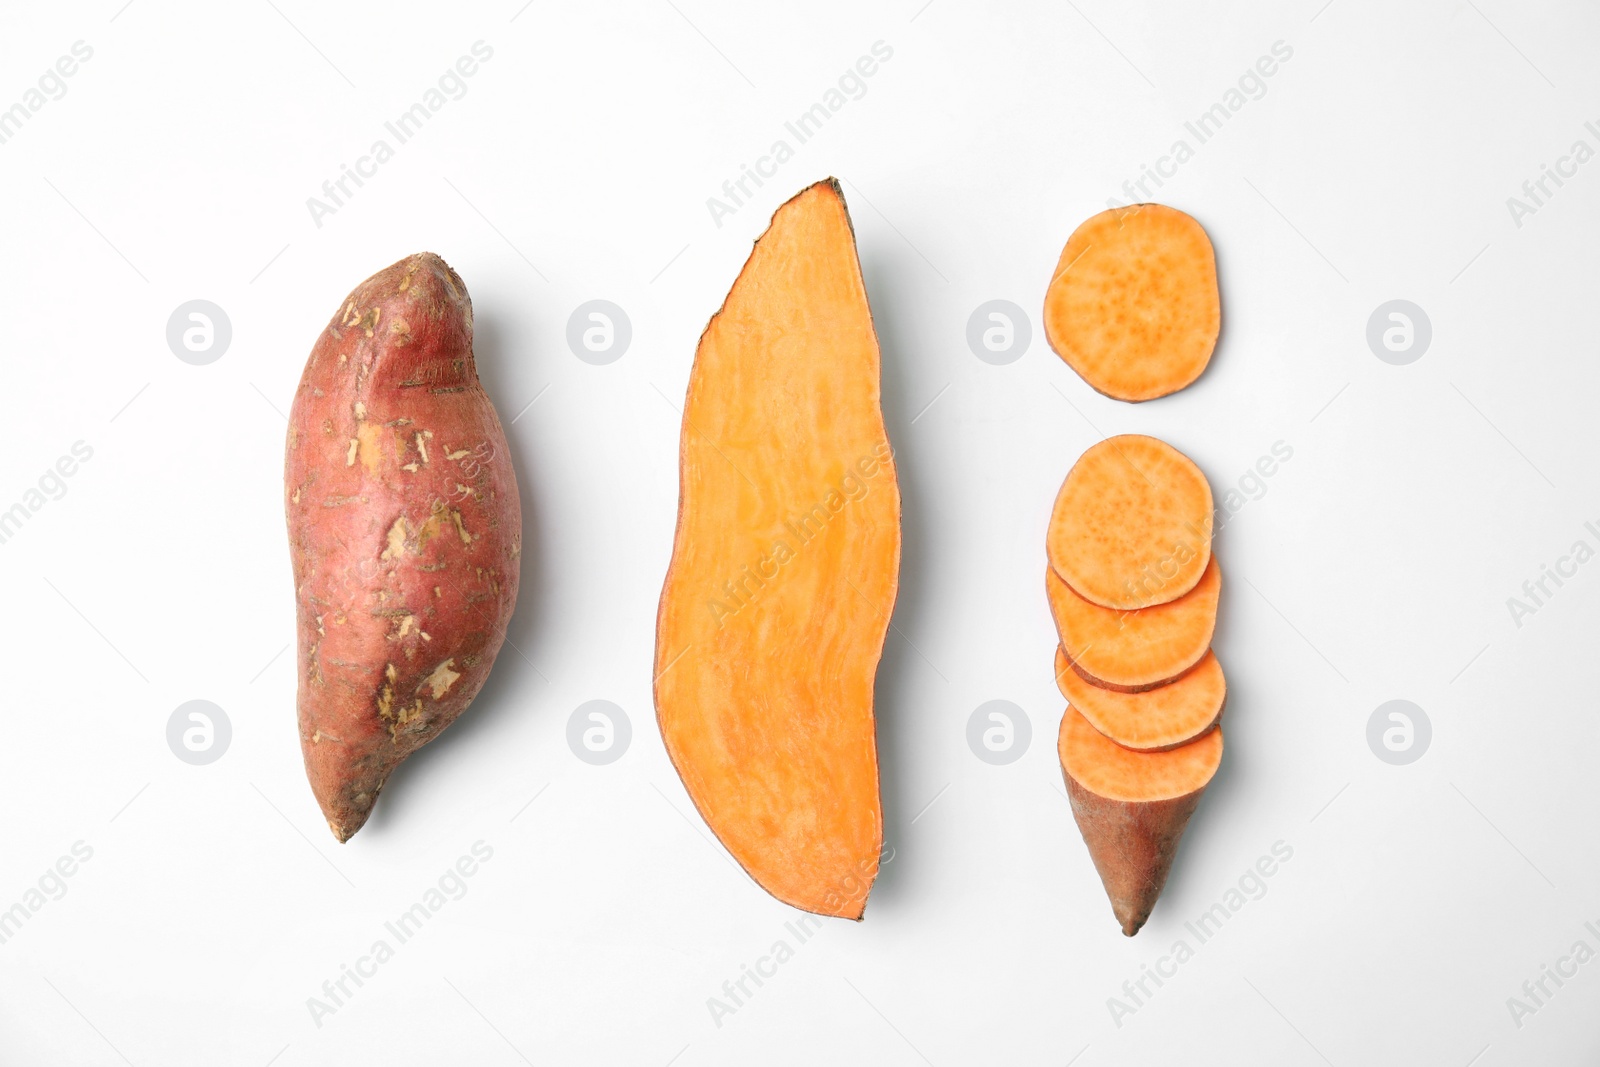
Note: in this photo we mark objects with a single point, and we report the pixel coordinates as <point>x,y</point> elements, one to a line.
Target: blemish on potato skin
<point>442,678</point>
<point>371,451</point>
<point>386,694</point>
<point>396,540</point>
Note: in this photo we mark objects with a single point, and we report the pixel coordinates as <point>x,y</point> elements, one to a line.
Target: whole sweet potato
<point>404,530</point>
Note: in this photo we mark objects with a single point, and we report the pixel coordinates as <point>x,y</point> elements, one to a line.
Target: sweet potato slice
<point>1132,651</point>
<point>1132,808</point>
<point>1153,720</point>
<point>785,567</point>
<point>404,530</point>
<point>1133,304</point>
<point>1131,527</point>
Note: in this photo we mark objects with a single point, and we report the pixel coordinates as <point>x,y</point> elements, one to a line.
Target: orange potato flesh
<point>1133,651</point>
<point>1153,720</point>
<point>1131,527</point>
<point>1132,808</point>
<point>1133,305</point>
<point>785,567</point>
<point>1109,770</point>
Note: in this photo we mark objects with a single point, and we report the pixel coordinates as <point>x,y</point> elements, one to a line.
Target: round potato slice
<point>1109,770</point>
<point>1131,526</point>
<point>1153,720</point>
<point>1132,651</point>
<point>1133,305</point>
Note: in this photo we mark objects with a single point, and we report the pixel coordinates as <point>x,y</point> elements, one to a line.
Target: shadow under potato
<point>893,708</point>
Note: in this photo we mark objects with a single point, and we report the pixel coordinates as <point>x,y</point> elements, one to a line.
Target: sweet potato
<point>404,531</point>
<point>1132,651</point>
<point>784,567</point>
<point>1132,807</point>
<point>1133,304</point>
<point>1131,527</point>
<point>1153,720</point>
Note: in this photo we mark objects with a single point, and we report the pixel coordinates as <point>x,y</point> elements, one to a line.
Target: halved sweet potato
<point>1131,527</point>
<point>1132,651</point>
<point>1133,305</point>
<point>785,567</point>
<point>1132,807</point>
<point>1153,720</point>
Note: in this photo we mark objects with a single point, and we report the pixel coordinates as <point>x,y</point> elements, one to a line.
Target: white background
<point>1377,564</point>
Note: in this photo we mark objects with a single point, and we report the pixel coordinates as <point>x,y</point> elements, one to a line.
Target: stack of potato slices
<point>1133,588</point>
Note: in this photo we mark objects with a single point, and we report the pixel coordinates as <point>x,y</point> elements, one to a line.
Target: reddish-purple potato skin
<point>405,531</point>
